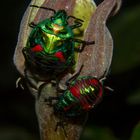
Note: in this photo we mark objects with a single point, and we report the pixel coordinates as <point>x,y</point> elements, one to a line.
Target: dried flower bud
<point>96,58</point>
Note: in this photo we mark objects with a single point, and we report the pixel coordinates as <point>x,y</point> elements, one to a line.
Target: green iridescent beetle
<point>51,46</point>
<point>81,95</point>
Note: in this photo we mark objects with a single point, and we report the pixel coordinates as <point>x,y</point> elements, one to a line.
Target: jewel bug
<point>51,44</point>
<point>81,95</point>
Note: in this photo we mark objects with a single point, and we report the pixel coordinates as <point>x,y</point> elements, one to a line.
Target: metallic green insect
<point>51,45</point>
<point>81,95</point>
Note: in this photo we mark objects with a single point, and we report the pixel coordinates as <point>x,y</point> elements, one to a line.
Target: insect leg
<point>32,25</point>
<point>77,24</point>
<point>19,83</point>
<point>104,78</point>
<point>74,76</point>
<point>77,21</point>
<point>109,88</point>
<point>84,43</point>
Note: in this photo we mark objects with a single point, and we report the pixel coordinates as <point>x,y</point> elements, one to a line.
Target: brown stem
<point>96,59</point>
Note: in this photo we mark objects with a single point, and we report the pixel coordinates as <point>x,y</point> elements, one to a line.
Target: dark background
<point>117,117</point>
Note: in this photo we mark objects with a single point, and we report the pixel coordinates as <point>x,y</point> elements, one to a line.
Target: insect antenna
<point>45,8</point>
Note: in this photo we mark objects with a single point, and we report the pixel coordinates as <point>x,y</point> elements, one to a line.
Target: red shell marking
<point>60,56</point>
<point>37,48</point>
<point>82,90</point>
